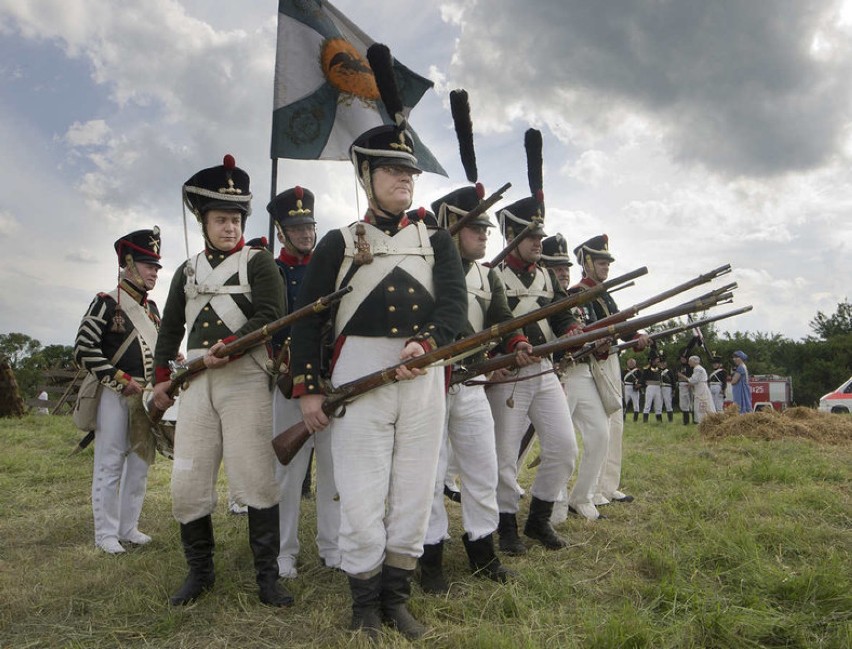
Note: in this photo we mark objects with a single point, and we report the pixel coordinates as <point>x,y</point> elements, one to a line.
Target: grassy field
<point>730,543</point>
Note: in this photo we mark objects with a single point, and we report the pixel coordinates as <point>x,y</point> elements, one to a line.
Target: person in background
<point>651,382</point>
<point>701,396</point>
<point>632,388</point>
<point>739,383</point>
<point>115,345</point>
<point>668,379</point>
<point>684,393</point>
<point>718,383</point>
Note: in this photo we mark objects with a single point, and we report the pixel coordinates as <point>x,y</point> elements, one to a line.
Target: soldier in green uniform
<point>217,296</point>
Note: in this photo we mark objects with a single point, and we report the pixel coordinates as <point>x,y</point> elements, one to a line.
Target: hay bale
<point>11,403</point>
<point>821,427</point>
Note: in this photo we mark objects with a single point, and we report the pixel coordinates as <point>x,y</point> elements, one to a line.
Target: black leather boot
<point>196,537</point>
<point>635,415</point>
<point>670,415</point>
<point>659,419</point>
<point>644,417</point>
<point>431,572</point>
<point>483,560</point>
<point>396,591</point>
<point>685,418</point>
<point>538,525</point>
<point>366,605</point>
<point>264,542</point>
<point>507,530</point>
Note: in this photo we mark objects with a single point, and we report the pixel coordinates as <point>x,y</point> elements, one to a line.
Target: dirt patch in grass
<point>821,427</point>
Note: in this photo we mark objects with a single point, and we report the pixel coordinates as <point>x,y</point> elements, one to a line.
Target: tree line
<point>817,364</point>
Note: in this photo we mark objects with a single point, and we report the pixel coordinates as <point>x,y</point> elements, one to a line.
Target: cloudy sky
<point>693,133</point>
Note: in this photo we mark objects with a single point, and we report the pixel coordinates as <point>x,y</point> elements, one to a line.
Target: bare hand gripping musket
<point>481,208</point>
<point>181,373</point>
<point>509,361</point>
<point>288,442</point>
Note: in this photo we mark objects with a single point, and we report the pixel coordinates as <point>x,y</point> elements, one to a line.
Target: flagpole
<point>273,192</point>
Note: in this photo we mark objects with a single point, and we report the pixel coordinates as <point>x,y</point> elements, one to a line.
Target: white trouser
<point>631,397</point>
<point>684,396</point>
<point>590,419</point>
<point>285,413</point>
<point>224,413</point>
<point>385,451</point>
<point>718,396</point>
<point>667,398</point>
<point>452,472</point>
<point>470,431</point>
<point>120,476</point>
<point>610,476</point>
<point>653,398</point>
<point>540,401</point>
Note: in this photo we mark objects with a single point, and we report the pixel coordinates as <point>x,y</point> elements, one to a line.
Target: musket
<point>83,443</point>
<point>665,295</point>
<point>536,224</point>
<point>183,372</point>
<point>509,361</point>
<point>288,442</point>
<point>666,333</point>
<point>480,209</point>
<point>618,288</point>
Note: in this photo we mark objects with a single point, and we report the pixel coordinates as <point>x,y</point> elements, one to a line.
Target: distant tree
<point>29,360</point>
<point>17,347</point>
<point>837,324</point>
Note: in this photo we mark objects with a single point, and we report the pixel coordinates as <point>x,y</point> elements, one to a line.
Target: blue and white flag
<point>325,92</point>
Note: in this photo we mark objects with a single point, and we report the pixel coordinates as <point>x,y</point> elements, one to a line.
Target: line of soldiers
<point>381,466</point>
<point>658,384</point>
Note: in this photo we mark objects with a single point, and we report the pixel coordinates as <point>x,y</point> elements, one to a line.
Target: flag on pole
<point>325,93</point>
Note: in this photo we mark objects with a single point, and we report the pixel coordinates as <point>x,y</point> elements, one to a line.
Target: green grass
<point>733,543</point>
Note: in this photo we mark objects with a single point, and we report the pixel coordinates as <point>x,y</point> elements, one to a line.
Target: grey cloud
<point>733,85</point>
